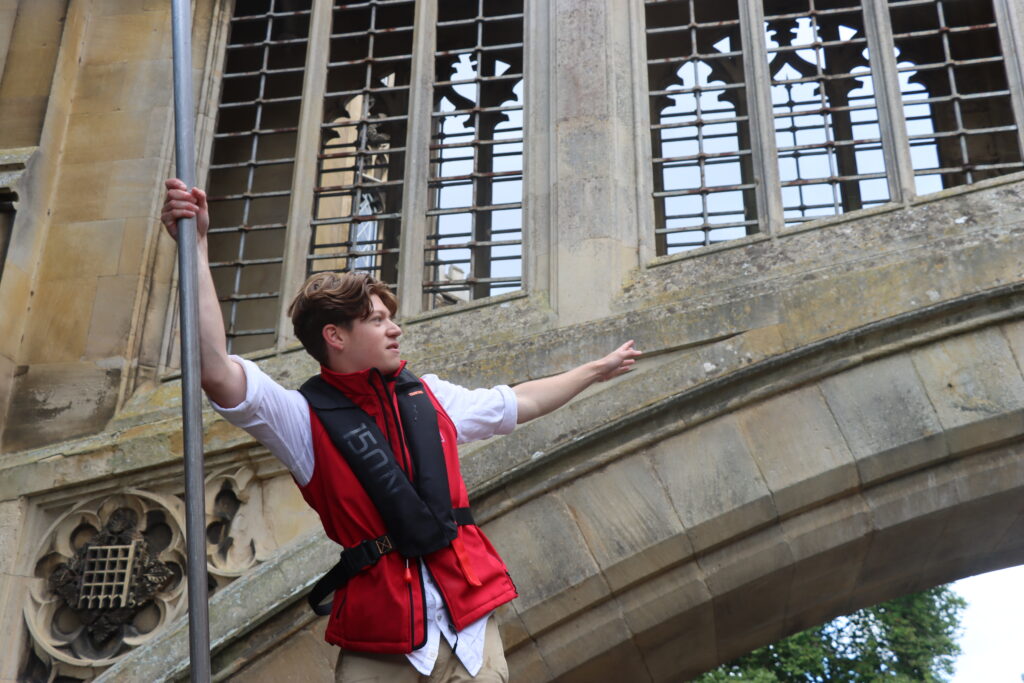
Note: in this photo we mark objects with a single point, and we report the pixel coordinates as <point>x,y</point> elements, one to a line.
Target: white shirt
<point>279,419</point>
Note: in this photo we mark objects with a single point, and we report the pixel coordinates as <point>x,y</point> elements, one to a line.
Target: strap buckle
<point>383,545</point>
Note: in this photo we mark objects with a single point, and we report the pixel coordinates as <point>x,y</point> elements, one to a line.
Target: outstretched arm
<point>541,396</point>
<point>223,379</point>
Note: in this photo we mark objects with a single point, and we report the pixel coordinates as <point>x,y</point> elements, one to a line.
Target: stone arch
<point>725,532</point>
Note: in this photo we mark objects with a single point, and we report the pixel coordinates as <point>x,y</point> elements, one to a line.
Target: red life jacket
<point>383,608</point>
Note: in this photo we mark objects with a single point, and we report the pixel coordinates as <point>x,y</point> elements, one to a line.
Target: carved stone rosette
<point>110,573</point>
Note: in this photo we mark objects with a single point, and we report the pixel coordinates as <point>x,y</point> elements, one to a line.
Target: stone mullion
<point>538,151</point>
<point>306,168</point>
<point>593,172</point>
<point>899,169</point>
<point>763,150</point>
<point>647,219</point>
<point>415,199</point>
<point>1010,18</point>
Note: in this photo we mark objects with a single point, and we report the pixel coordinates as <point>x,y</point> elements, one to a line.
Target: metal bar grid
<point>107,576</point>
<point>955,94</point>
<point>827,129</point>
<point>473,246</point>
<point>357,199</point>
<point>704,189</point>
<point>252,163</point>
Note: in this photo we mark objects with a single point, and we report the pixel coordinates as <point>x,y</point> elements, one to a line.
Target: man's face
<point>371,343</point>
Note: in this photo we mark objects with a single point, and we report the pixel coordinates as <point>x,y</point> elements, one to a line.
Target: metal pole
<point>195,518</point>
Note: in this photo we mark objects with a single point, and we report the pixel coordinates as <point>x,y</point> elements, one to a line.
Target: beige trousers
<point>366,667</point>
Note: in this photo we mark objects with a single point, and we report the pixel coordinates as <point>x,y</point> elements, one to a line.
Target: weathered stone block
<point>832,302</point>
<point>648,607</point>
<point>683,648</point>
<point>976,387</point>
<point>59,401</point>
<point>627,521</point>
<point>113,135</point>
<point>526,664</point>
<point>102,87</point>
<point>885,417</point>
<point>16,290</point>
<point>111,317</point>
<point>126,190</point>
<point>81,250</point>
<point>622,662</point>
<point>799,449</point>
<point>993,260</point>
<point>128,37</point>
<point>713,482</point>
<point>823,529</point>
<point>134,238</point>
<point>746,562</point>
<point>305,658</point>
<point>1014,333</point>
<point>580,641</point>
<point>549,561</point>
<point>58,323</point>
<point>513,632</point>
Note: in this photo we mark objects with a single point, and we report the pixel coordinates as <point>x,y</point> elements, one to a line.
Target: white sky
<point>993,628</point>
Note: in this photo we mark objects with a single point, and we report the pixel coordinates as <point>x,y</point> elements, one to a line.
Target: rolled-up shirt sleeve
<point>276,417</point>
<point>477,413</point>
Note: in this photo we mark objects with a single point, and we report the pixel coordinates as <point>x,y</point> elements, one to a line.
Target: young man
<point>373,450</point>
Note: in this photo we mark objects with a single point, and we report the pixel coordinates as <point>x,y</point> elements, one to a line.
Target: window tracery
<point>838,138</point>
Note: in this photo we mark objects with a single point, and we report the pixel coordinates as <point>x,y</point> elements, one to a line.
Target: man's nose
<point>395,330</point>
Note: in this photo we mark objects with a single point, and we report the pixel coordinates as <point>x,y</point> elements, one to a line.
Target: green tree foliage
<point>913,638</point>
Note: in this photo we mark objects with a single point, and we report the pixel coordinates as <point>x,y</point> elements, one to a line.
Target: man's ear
<point>334,337</point>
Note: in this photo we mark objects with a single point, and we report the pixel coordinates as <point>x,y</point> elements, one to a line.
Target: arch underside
<point>694,536</point>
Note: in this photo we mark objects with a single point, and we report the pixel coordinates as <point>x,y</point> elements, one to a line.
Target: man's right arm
<point>223,379</point>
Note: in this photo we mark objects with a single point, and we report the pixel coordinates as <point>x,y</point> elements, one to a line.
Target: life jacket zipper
<point>392,421</point>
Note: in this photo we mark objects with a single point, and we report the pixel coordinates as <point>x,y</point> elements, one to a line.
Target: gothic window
<point>313,150</point>
<point>700,134</point>
<point>788,99</point>
<point>825,116</point>
<point>955,93</point>
<point>474,234</point>
<point>252,164</point>
<point>361,166</point>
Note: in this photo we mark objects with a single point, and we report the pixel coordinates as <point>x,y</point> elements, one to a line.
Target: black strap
<point>356,559</point>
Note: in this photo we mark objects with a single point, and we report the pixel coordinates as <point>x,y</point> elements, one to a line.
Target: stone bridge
<point>824,273</point>
<point>793,447</point>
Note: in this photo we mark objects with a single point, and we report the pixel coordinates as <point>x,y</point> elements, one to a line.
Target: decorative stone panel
<point>110,574</point>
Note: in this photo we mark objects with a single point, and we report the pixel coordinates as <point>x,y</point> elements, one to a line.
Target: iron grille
<point>251,168</point>
<point>825,115</point>
<point>361,165</point>
<point>700,134</point>
<point>474,234</point>
<point>107,576</point>
<point>956,100</point>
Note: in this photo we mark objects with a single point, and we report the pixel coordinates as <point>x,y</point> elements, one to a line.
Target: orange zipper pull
<point>408,574</point>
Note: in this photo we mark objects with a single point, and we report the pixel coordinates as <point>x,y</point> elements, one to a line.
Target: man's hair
<point>334,299</point>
